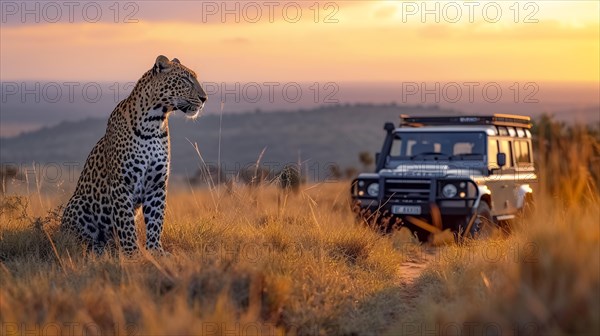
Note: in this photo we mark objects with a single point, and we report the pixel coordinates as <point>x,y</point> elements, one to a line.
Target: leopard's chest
<point>147,166</point>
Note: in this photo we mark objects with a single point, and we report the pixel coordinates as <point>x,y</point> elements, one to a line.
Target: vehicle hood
<point>432,170</point>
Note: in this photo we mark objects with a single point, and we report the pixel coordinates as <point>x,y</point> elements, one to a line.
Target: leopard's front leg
<point>154,209</point>
<point>124,218</point>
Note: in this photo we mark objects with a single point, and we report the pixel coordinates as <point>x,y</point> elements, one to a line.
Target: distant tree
<point>350,173</point>
<point>254,175</point>
<point>366,159</point>
<point>290,178</point>
<point>335,172</point>
<point>548,132</point>
<point>209,175</point>
<point>8,173</point>
<point>566,149</point>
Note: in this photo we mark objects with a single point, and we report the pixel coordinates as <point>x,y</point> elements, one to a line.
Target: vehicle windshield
<point>438,146</point>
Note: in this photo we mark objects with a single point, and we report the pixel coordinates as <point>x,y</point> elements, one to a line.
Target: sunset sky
<point>371,41</point>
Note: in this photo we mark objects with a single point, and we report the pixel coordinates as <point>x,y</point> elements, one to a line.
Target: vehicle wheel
<point>484,225</point>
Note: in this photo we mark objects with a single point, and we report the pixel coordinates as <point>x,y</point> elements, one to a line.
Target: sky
<point>357,41</point>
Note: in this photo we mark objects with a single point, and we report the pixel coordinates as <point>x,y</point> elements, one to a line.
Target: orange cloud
<point>367,44</point>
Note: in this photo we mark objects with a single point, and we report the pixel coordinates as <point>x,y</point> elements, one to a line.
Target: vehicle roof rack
<point>509,120</point>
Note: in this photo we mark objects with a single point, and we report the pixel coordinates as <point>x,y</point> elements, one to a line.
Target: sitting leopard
<point>129,166</point>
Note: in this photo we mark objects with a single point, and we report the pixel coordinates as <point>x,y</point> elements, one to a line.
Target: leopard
<point>128,168</point>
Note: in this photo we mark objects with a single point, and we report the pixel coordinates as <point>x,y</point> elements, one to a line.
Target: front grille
<point>407,191</point>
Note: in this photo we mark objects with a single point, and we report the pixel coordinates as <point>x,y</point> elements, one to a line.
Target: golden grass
<point>542,279</point>
<point>255,261</point>
<point>238,261</point>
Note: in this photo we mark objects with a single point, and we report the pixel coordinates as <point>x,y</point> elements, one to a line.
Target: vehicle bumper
<point>455,207</point>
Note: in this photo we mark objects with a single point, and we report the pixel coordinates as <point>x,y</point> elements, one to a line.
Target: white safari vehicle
<point>463,173</point>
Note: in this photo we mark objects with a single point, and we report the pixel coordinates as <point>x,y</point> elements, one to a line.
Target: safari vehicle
<point>462,173</point>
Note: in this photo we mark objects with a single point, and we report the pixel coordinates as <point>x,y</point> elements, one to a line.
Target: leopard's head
<point>174,87</point>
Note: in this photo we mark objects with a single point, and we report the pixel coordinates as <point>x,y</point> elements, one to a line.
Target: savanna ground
<point>255,261</point>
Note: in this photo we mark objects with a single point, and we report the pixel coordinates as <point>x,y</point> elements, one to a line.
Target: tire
<point>484,225</point>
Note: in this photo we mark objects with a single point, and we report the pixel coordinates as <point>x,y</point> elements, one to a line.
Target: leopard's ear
<point>175,60</point>
<point>161,65</point>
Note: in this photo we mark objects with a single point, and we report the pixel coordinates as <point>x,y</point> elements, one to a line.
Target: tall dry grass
<point>544,278</point>
<point>257,261</point>
<point>250,261</point>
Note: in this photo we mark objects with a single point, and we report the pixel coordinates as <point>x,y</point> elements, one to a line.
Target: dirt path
<point>416,262</point>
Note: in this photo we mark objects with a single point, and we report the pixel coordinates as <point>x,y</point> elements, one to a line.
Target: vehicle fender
<point>522,193</point>
<point>484,191</point>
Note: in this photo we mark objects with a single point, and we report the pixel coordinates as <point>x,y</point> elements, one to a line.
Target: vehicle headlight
<point>449,190</point>
<point>373,189</point>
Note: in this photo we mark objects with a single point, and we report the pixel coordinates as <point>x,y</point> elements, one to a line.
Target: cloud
<point>351,50</point>
<point>236,40</point>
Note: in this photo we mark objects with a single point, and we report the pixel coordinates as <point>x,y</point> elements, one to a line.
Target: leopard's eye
<point>187,81</point>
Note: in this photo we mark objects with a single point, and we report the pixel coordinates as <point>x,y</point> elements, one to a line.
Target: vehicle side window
<point>463,148</point>
<point>492,153</point>
<point>506,148</point>
<point>522,153</point>
<point>396,147</point>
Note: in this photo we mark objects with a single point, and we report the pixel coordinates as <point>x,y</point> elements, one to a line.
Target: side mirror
<point>389,127</point>
<point>501,159</point>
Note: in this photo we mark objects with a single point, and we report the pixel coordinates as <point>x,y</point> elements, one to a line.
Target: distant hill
<point>21,111</point>
<point>318,137</point>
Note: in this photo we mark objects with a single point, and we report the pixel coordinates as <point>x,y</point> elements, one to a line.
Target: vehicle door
<point>502,180</point>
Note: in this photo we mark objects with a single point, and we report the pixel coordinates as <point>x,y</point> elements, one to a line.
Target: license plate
<point>406,209</point>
